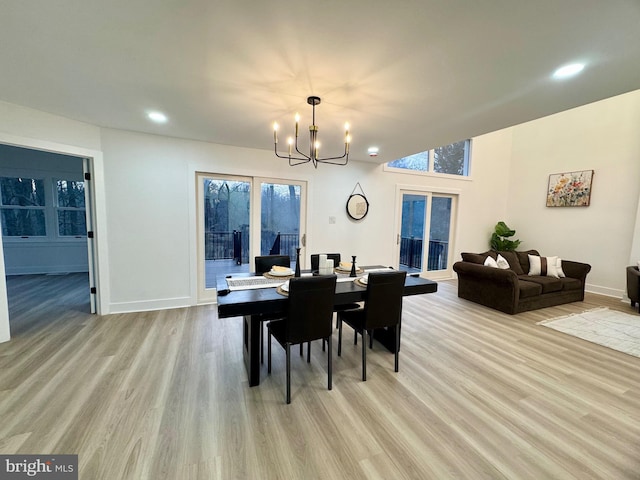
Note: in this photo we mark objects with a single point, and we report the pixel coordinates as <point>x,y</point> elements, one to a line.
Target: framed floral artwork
<point>571,189</point>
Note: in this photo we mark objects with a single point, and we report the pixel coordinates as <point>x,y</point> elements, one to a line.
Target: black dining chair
<point>262,265</point>
<point>315,264</point>
<point>309,317</point>
<point>382,308</point>
<point>315,260</point>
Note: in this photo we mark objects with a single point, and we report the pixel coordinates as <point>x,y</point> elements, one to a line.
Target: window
<point>23,207</point>
<point>70,208</point>
<point>417,161</point>
<point>29,210</point>
<point>450,159</point>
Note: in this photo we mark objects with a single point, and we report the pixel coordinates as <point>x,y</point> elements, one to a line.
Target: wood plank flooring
<point>164,395</point>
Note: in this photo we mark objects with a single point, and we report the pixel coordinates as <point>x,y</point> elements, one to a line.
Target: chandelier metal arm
<point>313,144</point>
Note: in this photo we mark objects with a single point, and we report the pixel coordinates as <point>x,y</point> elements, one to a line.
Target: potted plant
<point>500,239</point>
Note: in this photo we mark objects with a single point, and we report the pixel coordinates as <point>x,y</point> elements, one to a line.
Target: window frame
<point>57,209</point>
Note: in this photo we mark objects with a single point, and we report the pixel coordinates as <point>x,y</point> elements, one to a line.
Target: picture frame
<point>570,189</point>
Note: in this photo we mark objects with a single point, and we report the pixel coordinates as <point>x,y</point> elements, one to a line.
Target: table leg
<point>251,347</point>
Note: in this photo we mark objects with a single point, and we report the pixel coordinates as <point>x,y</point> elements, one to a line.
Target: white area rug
<point>610,328</point>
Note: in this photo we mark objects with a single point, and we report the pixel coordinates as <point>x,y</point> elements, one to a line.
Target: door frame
<point>209,295</point>
<point>100,266</point>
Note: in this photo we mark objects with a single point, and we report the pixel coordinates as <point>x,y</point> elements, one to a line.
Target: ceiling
<point>408,75</point>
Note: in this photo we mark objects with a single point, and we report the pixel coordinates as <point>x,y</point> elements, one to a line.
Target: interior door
<point>91,247</point>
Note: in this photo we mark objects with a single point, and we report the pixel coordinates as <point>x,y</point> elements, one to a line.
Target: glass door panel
<point>412,228</point>
<point>280,208</point>
<point>226,205</point>
<point>439,232</point>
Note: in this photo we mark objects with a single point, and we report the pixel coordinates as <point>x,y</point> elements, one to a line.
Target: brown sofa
<point>512,290</point>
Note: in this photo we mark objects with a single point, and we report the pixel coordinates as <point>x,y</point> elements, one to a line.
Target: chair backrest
<point>315,260</point>
<point>383,302</point>
<point>265,262</point>
<point>310,312</point>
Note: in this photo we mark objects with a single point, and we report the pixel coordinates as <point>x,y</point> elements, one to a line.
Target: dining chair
<point>315,260</point>
<point>262,265</point>
<point>382,308</point>
<point>309,317</point>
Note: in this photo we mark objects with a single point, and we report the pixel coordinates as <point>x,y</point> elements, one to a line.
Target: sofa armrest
<point>493,287</point>
<point>576,270</point>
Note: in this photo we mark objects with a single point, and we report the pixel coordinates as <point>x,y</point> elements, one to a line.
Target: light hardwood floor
<point>163,395</point>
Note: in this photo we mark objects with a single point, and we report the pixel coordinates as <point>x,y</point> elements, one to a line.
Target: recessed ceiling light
<point>373,151</point>
<point>157,117</point>
<point>568,70</point>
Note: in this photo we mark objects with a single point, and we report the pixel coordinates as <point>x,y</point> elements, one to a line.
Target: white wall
<point>150,193</point>
<point>602,136</point>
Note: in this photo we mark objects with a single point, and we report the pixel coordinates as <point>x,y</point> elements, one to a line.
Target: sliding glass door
<point>424,231</point>
<point>241,217</point>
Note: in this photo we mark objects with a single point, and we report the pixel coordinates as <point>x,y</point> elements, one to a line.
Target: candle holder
<point>297,272</point>
<point>353,266</point>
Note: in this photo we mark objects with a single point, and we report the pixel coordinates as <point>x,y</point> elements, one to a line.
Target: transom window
<point>452,159</point>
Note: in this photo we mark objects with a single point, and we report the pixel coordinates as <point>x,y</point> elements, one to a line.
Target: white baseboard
<point>150,305</point>
<point>609,292</point>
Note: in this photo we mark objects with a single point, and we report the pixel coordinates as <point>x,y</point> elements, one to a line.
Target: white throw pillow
<point>559,268</point>
<point>544,266</point>
<point>490,262</point>
<point>502,262</point>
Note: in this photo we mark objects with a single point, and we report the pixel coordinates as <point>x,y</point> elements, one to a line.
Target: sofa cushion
<point>529,289</point>
<point>523,257</point>
<point>548,284</point>
<point>514,261</point>
<point>477,257</point>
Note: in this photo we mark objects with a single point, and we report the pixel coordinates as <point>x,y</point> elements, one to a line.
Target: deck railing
<point>411,254</point>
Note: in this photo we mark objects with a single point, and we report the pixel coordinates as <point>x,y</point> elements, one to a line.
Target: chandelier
<point>297,157</point>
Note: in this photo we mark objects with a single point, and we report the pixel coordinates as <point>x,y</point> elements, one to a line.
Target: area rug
<point>610,328</point>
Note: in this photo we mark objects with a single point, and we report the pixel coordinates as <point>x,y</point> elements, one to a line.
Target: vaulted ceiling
<point>408,75</point>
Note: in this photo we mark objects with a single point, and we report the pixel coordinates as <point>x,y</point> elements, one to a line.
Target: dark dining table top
<point>267,300</point>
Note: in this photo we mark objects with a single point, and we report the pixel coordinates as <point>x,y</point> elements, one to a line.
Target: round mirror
<point>357,206</point>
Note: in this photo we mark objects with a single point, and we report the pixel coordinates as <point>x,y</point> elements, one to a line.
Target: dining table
<point>253,297</point>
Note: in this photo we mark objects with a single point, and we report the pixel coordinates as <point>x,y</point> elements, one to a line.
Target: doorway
<point>45,212</point>
<point>424,232</point>
<point>242,217</point>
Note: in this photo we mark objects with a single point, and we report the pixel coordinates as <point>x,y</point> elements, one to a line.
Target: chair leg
<point>370,339</point>
<point>397,346</point>
<point>364,355</point>
<point>355,337</point>
<point>324,342</point>
<point>288,352</point>
<point>339,335</point>
<point>301,349</point>
<point>329,362</point>
<point>268,350</point>
<point>308,352</point>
